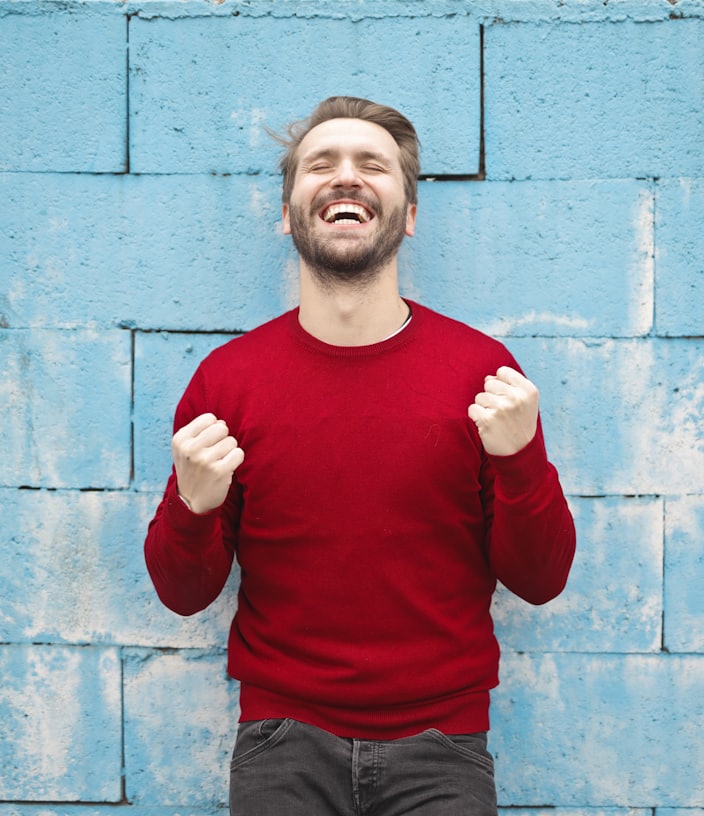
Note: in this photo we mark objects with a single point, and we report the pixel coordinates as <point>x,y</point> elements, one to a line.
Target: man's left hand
<point>505,412</point>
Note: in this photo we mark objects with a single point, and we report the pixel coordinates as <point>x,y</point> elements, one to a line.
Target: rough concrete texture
<point>561,209</point>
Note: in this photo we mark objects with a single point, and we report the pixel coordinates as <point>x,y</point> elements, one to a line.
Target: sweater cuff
<point>183,520</point>
<point>523,472</point>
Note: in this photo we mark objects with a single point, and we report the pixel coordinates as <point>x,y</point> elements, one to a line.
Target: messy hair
<point>350,107</point>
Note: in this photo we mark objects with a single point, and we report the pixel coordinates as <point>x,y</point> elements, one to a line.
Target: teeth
<point>356,214</point>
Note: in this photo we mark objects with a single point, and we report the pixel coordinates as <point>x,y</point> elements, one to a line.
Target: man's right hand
<point>205,457</point>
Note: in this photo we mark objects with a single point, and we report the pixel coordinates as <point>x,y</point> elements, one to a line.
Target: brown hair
<point>350,107</point>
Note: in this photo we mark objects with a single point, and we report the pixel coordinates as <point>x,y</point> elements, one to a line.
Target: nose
<point>346,175</point>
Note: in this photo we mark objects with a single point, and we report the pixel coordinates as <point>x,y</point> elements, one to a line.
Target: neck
<point>349,315</point>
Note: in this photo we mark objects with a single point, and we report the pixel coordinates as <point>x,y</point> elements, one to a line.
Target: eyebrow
<point>363,154</point>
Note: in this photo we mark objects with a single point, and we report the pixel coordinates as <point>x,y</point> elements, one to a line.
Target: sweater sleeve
<point>189,556</point>
<point>530,531</point>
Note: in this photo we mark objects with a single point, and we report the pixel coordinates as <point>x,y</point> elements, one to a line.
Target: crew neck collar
<point>399,338</point>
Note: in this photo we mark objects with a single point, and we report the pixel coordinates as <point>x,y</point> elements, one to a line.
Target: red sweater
<point>369,525</point>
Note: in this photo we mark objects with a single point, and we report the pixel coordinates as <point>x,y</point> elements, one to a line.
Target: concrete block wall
<point>561,209</point>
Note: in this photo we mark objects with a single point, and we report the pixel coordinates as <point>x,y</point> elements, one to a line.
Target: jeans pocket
<point>469,746</point>
<point>254,737</point>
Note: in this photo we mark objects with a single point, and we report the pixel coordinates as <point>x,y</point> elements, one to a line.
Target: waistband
<point>463,713</point>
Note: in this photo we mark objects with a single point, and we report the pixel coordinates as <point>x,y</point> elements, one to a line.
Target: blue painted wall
<point>139,209</point>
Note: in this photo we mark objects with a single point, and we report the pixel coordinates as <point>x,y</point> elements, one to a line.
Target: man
<point>375,468</point>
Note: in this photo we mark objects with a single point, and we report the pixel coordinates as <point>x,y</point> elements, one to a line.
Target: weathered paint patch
<point>680,257</point>
<point>73,571</point>
<point>65,398</point>
<point>570,811</point>
<point>107,810</point>
<point>180,725</point>
<point>61,709</point>
<point>613,598</point>
<point>684,574</point>
<point>621,417</point>
<point>535,258</point>
<point>589,730</point>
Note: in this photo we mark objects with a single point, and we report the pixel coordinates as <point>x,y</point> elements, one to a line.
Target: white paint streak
<point>108,666</point>
<point>291,283</point>
<point>665,436</point>
<point>543,674</point>
<point>252,121</point>
<point>407,275</point>
<point>642,271</point>
<point>67,602</point>
<point>51,699</point>
<point>256,130</point>
<point>538,319</point>
<point>686,185</point>
<point>17,291</point>
<point>260,203</point>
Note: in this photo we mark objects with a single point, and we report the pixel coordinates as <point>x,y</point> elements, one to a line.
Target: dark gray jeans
<point>288,768</point>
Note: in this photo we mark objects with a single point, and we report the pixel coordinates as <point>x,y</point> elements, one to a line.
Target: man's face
<point>348,211</point>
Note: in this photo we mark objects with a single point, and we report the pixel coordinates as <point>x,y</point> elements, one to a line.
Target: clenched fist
<point>506,412</point>
<point>205,457</point>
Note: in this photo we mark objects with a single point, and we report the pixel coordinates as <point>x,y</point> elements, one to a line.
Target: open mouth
<point>346,212</point>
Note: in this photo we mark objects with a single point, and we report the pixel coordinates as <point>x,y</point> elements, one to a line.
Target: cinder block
<point>63,82</point>
<point>164,364</point>
<point>620,417</point>
<point>571,811</point>
<point>181,716</point>
<point>604,100</point>
<point>129,810</point>
<point>679,268</point>
<point>153,252</point>
<point>613,598</point>
<point>599,731</point>
<point>201,90</point>
<point>680,812</point>
<point>73,571</point>
<point>60,724</point>
<point>65,399</point>
<point>541,258</point>
<point>684,574</point>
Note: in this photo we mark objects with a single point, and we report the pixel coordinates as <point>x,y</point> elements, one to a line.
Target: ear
<point>411,220</point>
<point>285,219</point>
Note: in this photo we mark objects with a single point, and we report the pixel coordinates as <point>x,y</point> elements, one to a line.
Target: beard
<point>345,257</point>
